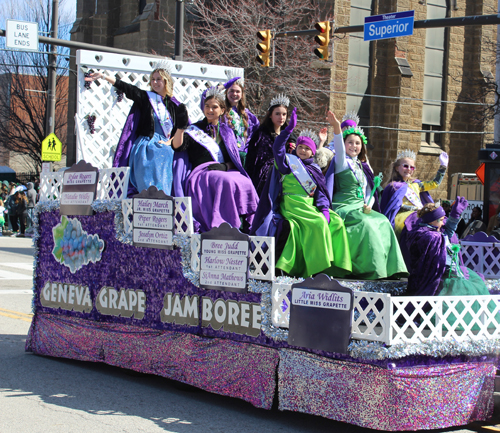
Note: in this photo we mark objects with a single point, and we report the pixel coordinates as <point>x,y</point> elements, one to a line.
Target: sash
<point>360,177</point>
<point>239,127</point>
<point>301,174</point>
<point>206,141</point>
<point>162,113</point>
<point>413,198</point>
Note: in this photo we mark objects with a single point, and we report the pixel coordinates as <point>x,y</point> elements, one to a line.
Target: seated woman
<point>296,192</point>
<point>374,248</point>
<point>404,194</point>
<point>219,187</point>
<point>156,120</point>
<point>260,158</point>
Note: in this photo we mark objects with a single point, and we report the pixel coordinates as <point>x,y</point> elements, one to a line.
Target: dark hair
<point>429,207</point>
<point>241,107</point>
<point>267,122</point>
<point>222,104</point>
<point>362,153</point>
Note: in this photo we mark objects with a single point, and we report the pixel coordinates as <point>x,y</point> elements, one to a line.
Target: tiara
<point>233,73</point>
<point>163,64</point>
<point>279,100</point>
<point>351,115</point>
<point>213,92</point>
<point>407,153</point>
<point>310,134</point>
<point>358,131</point>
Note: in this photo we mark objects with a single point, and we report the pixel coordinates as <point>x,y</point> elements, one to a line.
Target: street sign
<point>389,25</point>
<point>22,35</point>
<point>51,148</point>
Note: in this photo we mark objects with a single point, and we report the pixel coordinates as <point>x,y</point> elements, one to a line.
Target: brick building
<point>419,78</point>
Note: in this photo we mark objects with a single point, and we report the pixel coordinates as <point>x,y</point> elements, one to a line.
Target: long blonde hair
<point>167,78</point>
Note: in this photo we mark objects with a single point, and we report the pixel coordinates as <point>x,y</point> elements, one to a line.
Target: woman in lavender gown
<point>219,187</point>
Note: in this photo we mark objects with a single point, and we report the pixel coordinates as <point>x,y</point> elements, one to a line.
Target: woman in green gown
<point>373,245</point>
<point>317,241</point>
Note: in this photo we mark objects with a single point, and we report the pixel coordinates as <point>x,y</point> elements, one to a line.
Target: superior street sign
<point>389,25</point>
<point>22,35</point>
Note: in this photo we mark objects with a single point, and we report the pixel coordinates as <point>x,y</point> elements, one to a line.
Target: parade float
<point>127,282</point>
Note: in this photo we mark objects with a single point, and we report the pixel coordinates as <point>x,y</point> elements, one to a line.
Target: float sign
<point>224,259</point>
<point>389,25</point>
<point>321,315</point>
<point>153,219</point>
<point>22,35</point>
<point>79,189</point>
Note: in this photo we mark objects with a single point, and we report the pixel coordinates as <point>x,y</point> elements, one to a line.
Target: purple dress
<point>218,196</point>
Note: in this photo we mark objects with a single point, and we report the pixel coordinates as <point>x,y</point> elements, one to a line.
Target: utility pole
<point>179,30</point>
<point>52,72</point>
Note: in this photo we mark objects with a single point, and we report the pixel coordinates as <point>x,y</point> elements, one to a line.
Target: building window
<point>435,41</point>
<point>358,75</point>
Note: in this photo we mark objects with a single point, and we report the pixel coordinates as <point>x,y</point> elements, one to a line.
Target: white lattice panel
<point>127,210</point>
<point>190,80</point>
<point>261,258</point>
<point>182,216</point>
<point>50,186</point>
<point>418,318</point>
<point>396,319</point>
<point>113,183</point>
<point>482,257</point>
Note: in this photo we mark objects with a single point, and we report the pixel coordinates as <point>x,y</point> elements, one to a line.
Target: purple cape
<point>127,140</point>
<point>330,181</point>
<point>392,199</point>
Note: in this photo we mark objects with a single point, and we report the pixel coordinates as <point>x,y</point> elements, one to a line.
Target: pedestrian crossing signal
<point>323,39</point>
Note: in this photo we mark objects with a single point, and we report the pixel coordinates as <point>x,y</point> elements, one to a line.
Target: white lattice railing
<point>261,265</point>
<point>113,183</point>
<point>396,319</point>
<point>101,100</point>
<point>183,216</point>
<point>50,186</point>
<point>482,257</point>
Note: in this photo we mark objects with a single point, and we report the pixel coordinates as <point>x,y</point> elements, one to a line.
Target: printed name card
<point>321,315</point>
<point>153,219</point>
<point>79,189</point>
<point>224,259</point>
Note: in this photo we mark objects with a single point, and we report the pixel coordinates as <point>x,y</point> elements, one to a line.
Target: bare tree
<point>23,86</point>
<point>223,32</point>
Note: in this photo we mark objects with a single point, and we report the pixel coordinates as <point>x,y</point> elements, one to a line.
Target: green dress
<point>313,245</point>
<point>374,247</point>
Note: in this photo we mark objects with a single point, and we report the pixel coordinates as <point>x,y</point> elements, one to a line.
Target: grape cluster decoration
<point>74,247</point>
<point>91,122</point>
<point>119,96</point>
<point>87,84</point>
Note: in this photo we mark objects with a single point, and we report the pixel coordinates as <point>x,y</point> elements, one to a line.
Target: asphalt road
<point>42,394</point>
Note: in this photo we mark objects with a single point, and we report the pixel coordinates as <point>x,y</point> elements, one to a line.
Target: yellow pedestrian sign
<point>51,148</point>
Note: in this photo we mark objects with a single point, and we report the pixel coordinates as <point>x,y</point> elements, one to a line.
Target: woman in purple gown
<point>219,187</point>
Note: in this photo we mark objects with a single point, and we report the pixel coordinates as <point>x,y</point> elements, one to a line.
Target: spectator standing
<point>31,196</point>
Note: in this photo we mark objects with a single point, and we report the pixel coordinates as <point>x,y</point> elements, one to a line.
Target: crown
<point>213,92</point>
<point>407,153</point>
<point>163,64</point>
<point>351,115</point>
<point>233,73</point>
<point>279,100</point>
<point>358,131</point>
<point>310,134</point>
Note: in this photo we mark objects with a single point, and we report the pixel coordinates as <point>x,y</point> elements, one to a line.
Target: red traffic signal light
<point>264,47</point>
<point>323,39</point>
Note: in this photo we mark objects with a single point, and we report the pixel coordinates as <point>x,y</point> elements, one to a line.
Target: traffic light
<point>323,40</point>
<point>264,47</point>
